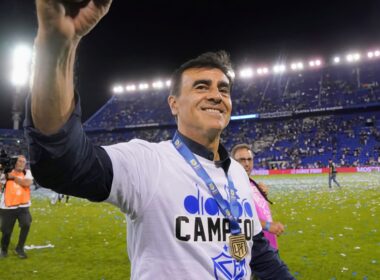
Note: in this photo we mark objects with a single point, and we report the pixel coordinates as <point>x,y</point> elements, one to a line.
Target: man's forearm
<point>23,182</point>
<point>52,98</point>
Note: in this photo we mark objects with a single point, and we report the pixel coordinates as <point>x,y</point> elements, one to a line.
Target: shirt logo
<point>225,267</point>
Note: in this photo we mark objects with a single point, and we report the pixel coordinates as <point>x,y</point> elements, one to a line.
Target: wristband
<point>267,226</point>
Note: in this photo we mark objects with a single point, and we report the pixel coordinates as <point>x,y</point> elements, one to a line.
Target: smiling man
<point>189,208</point>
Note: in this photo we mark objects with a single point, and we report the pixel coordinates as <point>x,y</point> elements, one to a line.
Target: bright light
<point>168,83</point>
<point>118,89</point>
<point>377,53</point>
<point>130,87</point>
<point>21,59</point>
<point>143,86</point>
<point>353,57</point>
<point>296,66</point>
<point>315,63</point>
<point>246,73</point>
<point>262,71</point>
<point>279,68</point>
<point>158,84</point>
<point>336,59</point>
<point>370,54</point>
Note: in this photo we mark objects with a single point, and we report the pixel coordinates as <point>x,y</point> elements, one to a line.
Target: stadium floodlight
<point>246,73</point>
<point>158,84</point>
<point>352,57</point>
<point>168,83</point>
<point>280,68</point>
<point>262,71</point>
<point>370,54</point>
<point>21,59</point>
<point>130,87</point>
<point>118,89</point>
<point>143,86</point>
<point>315,63</point>
<point>296,66</point>
<point>336,59</point>
<point>377,53</point>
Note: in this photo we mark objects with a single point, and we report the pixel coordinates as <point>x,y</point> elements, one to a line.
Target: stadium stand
<point>301,120</point>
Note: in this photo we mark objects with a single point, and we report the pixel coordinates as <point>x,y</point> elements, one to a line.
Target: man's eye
<point>201,87</point>
<point>225,90</point>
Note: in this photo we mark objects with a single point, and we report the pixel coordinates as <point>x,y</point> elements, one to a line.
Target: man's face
<point>204,105</point>
<point>20,164</point>
<point>245,158</point>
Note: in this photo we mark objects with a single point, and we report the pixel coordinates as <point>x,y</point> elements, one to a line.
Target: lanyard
<point>229,210</point>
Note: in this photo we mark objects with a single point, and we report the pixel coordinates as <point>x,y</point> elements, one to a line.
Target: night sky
<point>145,40</point>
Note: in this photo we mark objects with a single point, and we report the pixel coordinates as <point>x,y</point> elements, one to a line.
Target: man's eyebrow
<point>223,84</point>
<point>197,82</point>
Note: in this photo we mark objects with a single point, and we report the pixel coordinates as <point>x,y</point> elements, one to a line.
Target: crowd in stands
<point>329,87</point>
<point>350,138</point>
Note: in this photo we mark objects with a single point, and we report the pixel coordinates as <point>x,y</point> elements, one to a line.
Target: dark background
<point>144,40</point>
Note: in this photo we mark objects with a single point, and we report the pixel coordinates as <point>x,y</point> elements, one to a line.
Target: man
<point>14,205</point>
<point>332,173</point>
<point>188,208</point>
<point>242,153</point>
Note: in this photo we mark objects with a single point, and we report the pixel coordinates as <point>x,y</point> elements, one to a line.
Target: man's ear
<point>172,100</point>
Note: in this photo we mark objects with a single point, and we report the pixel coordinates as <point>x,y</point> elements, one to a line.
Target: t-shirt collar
<point>202,151</point>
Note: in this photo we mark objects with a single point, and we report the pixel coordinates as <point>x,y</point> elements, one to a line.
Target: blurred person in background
<point>242,153</point>
<point>332,173</point>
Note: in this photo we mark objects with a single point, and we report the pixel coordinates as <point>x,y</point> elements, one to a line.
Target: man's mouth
<point>213,110</point>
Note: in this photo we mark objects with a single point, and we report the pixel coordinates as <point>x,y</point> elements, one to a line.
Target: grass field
<point>329,234</point>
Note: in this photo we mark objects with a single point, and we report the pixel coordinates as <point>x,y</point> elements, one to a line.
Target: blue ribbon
<point>229,210</point>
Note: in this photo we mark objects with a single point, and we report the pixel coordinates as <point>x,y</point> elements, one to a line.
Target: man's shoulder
<point>139,146</point>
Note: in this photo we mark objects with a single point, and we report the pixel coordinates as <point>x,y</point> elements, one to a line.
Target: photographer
<point>14,205</point>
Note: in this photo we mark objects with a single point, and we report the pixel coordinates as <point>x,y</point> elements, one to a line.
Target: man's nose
<point>215,95</point>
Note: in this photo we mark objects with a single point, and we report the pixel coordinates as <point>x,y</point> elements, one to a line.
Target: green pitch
<point>329,234</point>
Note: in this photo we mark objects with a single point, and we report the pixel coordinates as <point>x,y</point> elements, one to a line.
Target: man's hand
<point>276,228</point>
<point>263,187</point>
<point>61,25</point>
<point>66,20</point>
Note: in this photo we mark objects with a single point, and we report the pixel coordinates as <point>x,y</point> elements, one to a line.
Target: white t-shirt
<point>175,229</point>
<point>28,175</point>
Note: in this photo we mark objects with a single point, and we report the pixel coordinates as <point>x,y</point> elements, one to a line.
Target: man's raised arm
<point>61,156</point>
<point>61,25</point>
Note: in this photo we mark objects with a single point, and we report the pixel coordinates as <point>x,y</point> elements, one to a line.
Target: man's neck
<point>210,142</point>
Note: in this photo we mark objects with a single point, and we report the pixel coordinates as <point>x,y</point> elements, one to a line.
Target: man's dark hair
<point>220,60</point>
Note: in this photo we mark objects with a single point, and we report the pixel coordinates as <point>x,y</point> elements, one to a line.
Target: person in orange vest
<point>14,205</point>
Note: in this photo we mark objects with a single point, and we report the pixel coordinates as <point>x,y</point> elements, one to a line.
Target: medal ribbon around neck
<point>229,210</point>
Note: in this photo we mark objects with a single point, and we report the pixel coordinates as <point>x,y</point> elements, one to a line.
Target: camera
<point>7,163</point>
